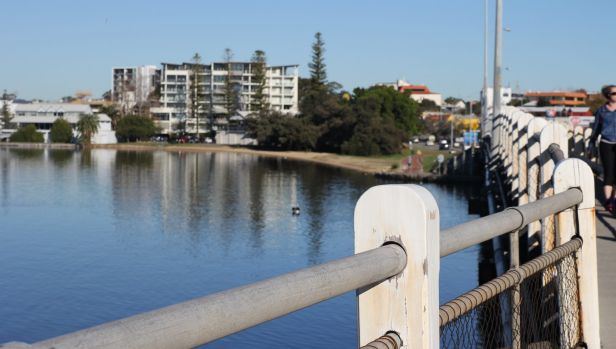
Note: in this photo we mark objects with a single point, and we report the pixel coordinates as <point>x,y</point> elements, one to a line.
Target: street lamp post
<point>487,123</point>
<point>497,74</point>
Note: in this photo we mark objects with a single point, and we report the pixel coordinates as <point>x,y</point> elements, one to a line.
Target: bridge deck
<point>606,259</point>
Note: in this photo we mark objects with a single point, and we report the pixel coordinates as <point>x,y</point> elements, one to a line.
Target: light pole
<point>487,123</point>
<point>497,74</point>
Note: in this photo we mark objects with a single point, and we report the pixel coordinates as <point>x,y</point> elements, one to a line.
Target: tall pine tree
<point>196,89</point>
<point>230,92</point>
<point>6,118</point>
<point>259,103</point>
<point>318,75</point>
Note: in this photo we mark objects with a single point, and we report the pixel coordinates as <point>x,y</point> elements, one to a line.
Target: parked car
<point>443,145</point>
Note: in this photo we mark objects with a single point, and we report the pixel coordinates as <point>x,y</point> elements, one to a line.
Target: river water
<point>94,236</point>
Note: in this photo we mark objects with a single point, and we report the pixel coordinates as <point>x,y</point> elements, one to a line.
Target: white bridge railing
<point>395,271</point>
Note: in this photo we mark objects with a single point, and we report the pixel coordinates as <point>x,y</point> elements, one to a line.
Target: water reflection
<point>125,232</point>
<point>61,158</point>
<point>26,154</point>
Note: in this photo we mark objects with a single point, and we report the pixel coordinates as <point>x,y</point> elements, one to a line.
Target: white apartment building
<point>131,86</point>
<point>281,91</point>
<point>43,115</point>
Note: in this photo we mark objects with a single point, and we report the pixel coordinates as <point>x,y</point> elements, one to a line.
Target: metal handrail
<point>202,320</point>
<point>479,230</point>
<point>556,153</point>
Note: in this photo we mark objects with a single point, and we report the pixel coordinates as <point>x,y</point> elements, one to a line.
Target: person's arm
<point>596,127</point>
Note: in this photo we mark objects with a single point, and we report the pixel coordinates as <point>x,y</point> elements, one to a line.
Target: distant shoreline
<point>64,146</point>
<point>379,167</point>
<point>356,163</point>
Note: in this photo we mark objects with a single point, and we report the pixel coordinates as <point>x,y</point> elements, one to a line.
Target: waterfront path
<point>606,260</point>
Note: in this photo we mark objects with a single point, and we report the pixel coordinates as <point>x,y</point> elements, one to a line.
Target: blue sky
<point>51,49</point>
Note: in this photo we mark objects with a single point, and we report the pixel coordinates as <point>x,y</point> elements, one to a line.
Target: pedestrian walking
<point>605,126</point>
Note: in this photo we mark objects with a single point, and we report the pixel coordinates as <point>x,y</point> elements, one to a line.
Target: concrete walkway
<point>606,259</point>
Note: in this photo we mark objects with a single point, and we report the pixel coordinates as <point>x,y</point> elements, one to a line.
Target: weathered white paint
<point>552,133</point>
<point>515,140</point>
<point>523,121</point>
<point>533,152</point>
<point>575,173</point>
<point>506,138</point>
<point>407,303</point>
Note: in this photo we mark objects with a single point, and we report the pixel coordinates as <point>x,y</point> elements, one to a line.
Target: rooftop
<point>51,107</point>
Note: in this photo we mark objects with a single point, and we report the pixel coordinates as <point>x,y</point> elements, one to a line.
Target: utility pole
<point>486,122</point>
<point>497,73</point>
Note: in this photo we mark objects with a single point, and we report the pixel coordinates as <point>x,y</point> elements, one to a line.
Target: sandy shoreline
<point>381,167</point>
<point>356,163</point>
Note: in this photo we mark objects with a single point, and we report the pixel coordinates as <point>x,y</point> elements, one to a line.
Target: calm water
<point>90,237</point>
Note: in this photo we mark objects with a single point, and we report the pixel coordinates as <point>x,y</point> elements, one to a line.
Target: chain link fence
<point>548,312</point>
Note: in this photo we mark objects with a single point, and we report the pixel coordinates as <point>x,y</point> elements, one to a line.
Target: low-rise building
<point>422,92</point>
<point>416,92</point>
<point>43,115</point>
<point>559,98</point>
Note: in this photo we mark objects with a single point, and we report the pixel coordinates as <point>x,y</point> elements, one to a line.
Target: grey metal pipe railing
<point>556,153</point>
<point>479,230</point>
<point>202,320</point>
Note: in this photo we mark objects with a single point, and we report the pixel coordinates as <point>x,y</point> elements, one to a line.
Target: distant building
<point>558,98</point>
<point>422,92</point>
<point>281,92</point>
<point>131,86</point>
<point>43,115</point>
<point>454,107</point>
<point>416,92</point>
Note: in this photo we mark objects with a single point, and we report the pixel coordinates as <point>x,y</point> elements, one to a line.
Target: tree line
<point>371,121</point>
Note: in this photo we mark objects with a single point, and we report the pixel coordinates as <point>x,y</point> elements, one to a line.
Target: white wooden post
<point>523,158</point>
<point>515,140</point>
<point>533,153</point>
<point>575,173</point>
<point>408,303</point>
<point>551,133</point>
<point>503,142</point>
<point>508,139</point>
<point>496,125</point>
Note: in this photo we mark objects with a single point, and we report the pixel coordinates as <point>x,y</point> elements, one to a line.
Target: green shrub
<point>61,131</point>
<point>135,128</point>
<point>27,134</point>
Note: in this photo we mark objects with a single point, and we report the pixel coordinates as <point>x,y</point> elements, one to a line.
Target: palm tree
<point>87,127</point>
